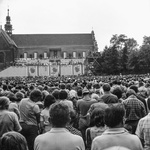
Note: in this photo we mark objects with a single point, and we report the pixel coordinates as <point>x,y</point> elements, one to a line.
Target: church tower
<point>8,26</point>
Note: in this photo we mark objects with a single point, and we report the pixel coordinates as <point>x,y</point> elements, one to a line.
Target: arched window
<point>45,55</point>
<point>65,55</point>
<point>35,56</point>
<point>25,55</point>
<point>83,54</point>
<point>74,54</point>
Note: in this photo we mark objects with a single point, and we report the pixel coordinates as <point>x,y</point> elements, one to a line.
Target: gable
<point>5,40</point>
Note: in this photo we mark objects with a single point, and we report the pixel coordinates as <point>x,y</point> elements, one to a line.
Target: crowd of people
<point>75,113</point>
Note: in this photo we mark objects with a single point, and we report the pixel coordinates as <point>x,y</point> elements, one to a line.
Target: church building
<point>43,48</point>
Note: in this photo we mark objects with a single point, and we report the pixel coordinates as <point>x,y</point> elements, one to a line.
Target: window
<point>25,55</point>
<point>35,55</point>
<point>74,54</point>
<point>45,55</point>
<point>65,55</point>
<point>83,54</point>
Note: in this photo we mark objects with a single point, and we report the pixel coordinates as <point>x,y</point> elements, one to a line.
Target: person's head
<point>97,117</point>
<point>130,92</point>
<point>106,87</point>
<point>55,93</point>
<point>4,102</point>
<point>19,96</point>
<point>36,95</point>
<point>114,115</point>
<point>59,114</point>
<point>63,95</point>
<point>85,92</point>
<point>134,87</point>
<point>13,141</point>
<point>62,86</point>
<point>49,100</point>
<point>11,96</point>
<point>117,91</point>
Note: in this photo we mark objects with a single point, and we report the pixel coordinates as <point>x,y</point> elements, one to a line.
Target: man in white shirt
<point>59,138</point>
<point>116,134</point>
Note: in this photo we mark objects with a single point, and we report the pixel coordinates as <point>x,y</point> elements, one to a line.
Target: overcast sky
<point>105,17</point>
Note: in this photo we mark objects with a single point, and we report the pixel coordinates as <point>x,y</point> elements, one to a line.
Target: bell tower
<point>8,26</point>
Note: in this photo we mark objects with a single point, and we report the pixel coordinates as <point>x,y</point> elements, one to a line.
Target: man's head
<point>59,114</point>
<point>63,95</point>
<point>114,115</point>
<point>106,87</point>
<point>36,95</point>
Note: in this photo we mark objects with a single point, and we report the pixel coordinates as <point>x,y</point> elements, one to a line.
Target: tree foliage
<point>124,55</point>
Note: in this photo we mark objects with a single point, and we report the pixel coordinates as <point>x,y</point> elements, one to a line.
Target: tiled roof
<point>52,39</point>
<point>7,38</point>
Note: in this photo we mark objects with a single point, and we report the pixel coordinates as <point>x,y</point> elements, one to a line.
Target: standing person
<point>135,109</point>
<point>44,119</point>
<point>116,134</point>
<point>83,106</point>
<point>59,138</point>
<point>108,97</point>
<point>30,117</point>
<point>97,126</point>
<point>8,120</point>
<point>143,129</point>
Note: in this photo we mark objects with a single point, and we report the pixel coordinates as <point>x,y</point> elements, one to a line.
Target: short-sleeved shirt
<point>143,131</point>
<point>58,139</point>
<point>28,110</point>
<point>116,137</point>
<point>8,122</point>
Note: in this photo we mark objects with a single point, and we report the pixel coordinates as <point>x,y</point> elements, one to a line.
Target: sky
<point>105,17</point>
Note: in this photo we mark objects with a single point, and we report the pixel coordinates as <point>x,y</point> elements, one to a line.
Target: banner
<point>32,70</point>
<point>43,70</point>
<point>77,70</point>
<point>66,70</point>
<point>54,70</point>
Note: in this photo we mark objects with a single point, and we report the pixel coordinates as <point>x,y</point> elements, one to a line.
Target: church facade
<point>30,49</point>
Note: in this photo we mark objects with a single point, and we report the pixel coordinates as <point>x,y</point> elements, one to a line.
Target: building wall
<point>49,50</point>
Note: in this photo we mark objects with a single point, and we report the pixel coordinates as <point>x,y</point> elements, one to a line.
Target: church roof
<point>7,38</point>
<point>52,39</point>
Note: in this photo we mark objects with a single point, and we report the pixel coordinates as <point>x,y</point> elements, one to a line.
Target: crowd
<point>75,113</point>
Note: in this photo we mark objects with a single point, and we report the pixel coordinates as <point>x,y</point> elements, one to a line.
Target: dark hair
<point>59,114</point>
<point>4,103</point>
<point>49,100</point>
<point>55,93</point>
<point>62,86</point>
<point>134,87</point>
<point>13,141</point>
<point>117,91</point>
<point>106,87</point>
<point>130,92</point>
<point>36,95</point>
<point>79,92</point>
<point>114,115</point>
<point>97,118</point>
<point>63,95</point>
